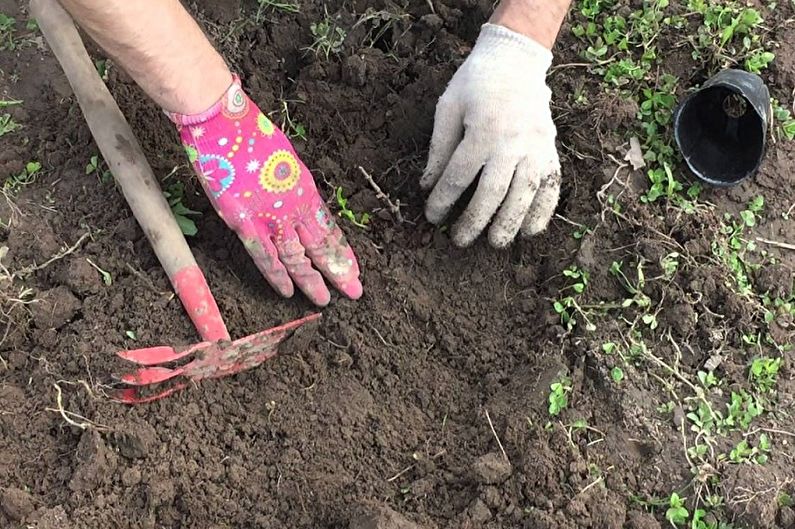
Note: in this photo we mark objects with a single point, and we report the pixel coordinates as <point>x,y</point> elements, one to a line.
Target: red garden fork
<point>216,355</point>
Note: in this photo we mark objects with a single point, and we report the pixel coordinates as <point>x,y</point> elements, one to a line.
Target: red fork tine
<point>207,360</point>
<point>160,355</point>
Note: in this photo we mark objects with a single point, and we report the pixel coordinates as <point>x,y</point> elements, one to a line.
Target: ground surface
<point>390,401</point>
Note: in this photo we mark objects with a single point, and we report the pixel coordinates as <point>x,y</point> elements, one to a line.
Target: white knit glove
<point>495,116</point>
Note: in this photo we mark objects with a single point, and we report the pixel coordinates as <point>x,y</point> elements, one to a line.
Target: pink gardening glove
<point>257,184</point>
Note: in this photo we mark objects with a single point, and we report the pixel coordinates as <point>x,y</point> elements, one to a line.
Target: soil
<point>422,405</point>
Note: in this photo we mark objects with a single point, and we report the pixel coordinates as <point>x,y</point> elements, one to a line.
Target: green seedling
<point>106,277</point>
<point>7,124</point>
<point>785,121</point>
<point>676,513</point>
<point>359,220</point>
<point>7,28</point>
<point>329,38</point>
<point>379,24</point>
<point>293,129</point>
<point>275,5</point>
<point>751,213</point>
<point>764,372</point>
<point>567,306</point>
<point>14,183</point>
<point>785,500</point>
<point>97,166</point>
<point>707,379</point>
<point>559,396</point>
<point>743,452</point>
<point>174,195</point>
<point>617,374</point>
<point>102,68</point>
<point>742,410</point>
<point>730,33</point>
<point>732,249</point>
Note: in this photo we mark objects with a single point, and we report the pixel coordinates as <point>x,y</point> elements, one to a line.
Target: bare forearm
<point>160,46</point>
<point>538,19</point>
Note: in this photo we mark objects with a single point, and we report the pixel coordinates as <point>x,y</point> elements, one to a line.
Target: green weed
<point>14,183</point>
<point>174,195</point>
<point>559,396</point>
<point>7,29</point>
<point>786,123</point>
<point>329,38</point>
<point>360,220</point>
<point>275,5</point>
<point>677,514</point>
<point>764,372</point>
<point>567,306</point>
<point>97,166</point>
<point>7,124</point>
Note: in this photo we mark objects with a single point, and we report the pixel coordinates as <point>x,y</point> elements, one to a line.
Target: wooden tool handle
<point>114,137</point>
<point>127,163</point>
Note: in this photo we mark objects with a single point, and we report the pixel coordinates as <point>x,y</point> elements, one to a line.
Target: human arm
<point>494,119</point>
<point>247,166</point>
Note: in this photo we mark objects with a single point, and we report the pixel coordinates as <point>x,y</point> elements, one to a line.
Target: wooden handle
<point>129,167</point>
<point>114,137</point>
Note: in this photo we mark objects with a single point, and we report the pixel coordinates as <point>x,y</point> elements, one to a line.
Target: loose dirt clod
<point>374,516</point>
<point>491,469</point>
<point>95,463</point>
<point>16,503</point>
<point>55,308</point>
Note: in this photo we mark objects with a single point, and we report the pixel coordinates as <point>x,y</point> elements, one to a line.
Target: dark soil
<point>386,408</point>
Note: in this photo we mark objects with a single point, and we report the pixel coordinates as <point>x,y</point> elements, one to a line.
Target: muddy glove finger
<point>520,199</point>
<point>462,170</point>
<point>448,129</point>
<point>331,254</point>
<point>544,204</point>
<point>492,188</point>
<point>266,258</point>
<point>293,255</point>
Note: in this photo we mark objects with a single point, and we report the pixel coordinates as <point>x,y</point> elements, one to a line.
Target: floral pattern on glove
<point>263,191</point>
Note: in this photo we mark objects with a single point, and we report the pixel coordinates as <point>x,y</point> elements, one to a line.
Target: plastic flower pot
<point>721,129</point>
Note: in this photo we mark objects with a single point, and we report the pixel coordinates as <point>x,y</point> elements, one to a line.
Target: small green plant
<point>360,220</point>
<point>28,175</point>
<point>293,129</point>
<point>7,124</point>
<point>742,410</point>
<point>328,38</point>
<point>707,379</point>
<point>275,5</point>
<point>617,374</point>
<point>174,195</point>
<point>785,500</point>
<point>97,166</point>
<point>677,514</point>
<point>751,213</point>
<point>559,396</point>
<point>106,277</point>
<point>786,123</point>
<point>567,306</point>
<point>743,452</point>
<point>764,372</point>
<point>7,28</point>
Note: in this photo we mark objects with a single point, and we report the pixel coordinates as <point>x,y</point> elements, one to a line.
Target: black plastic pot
<point>721,130</point>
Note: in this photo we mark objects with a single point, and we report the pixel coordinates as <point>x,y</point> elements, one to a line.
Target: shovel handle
<point>130,169</point>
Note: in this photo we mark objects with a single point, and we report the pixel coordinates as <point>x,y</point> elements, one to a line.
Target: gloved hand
<point>257,184</point>
<point>495,116</point>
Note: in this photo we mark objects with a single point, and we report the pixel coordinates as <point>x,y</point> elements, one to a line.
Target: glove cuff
<point>493,38</point>
<point>202,117</point>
